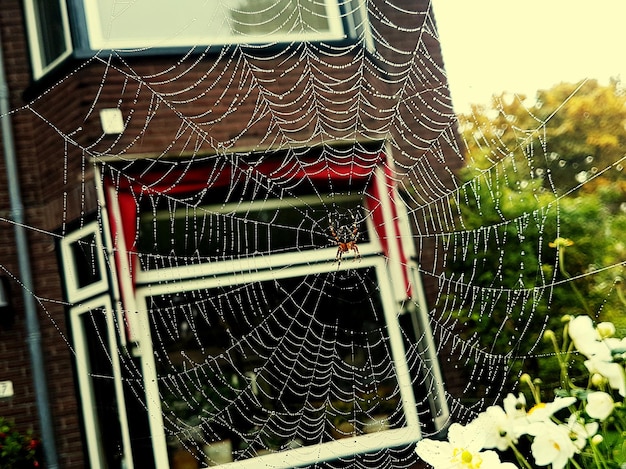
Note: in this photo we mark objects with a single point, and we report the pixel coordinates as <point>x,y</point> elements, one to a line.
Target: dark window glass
<point>50,25</point>
<point>207,235</point>
<point>229,344</point>
<point>101,374</point>
<point>86,261</point>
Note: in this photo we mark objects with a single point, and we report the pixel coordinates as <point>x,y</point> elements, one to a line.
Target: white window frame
<point>348,20</point>
<point>183,37</point>
<point>35,39</point>
<point>92,427</point>
<point>392,275</point>
<point>408,434</point>
<point>76,293</point>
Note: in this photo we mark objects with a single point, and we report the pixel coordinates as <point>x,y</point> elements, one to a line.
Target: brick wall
<point>56,181</point>
<point>39,154</point>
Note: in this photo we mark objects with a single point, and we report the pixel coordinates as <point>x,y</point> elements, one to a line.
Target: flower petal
<point>599,405</point>
<point>613,372</point>
<point>434,452</point>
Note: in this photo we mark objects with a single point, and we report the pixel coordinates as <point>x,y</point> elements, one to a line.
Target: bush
<point>17,450</point>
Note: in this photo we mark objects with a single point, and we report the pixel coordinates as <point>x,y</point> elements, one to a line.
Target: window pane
<point>163,23</point>
<point>261,17</point>
<point>50,23</point>
<point>207,234</point>
<point>86,261</point>
<point>105,414</point>
<point>225,373</point>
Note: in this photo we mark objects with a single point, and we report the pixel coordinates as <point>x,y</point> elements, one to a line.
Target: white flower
<point>503,426</point>
<point>592,341</point>
<point>580,432</point>
<point>552,444</point>
<point>599,405</point>
<point>543,411</point>
<point>583,334</point>
<point>599,348</point>
<point>515,406</point>
<point>617,347</point>
<point>462,451</point>
<point>586,337</point>
<point>613,372</point>
<point>498,427</point>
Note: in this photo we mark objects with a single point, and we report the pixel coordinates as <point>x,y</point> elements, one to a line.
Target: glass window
<point>94,342</point>
<point>226,391</point>
<point>163,23</point>
<point>85,260</point>
<point>140,25</point>
<point>49,35</point>
<point>82,255</point>
<point>230,231</point>
<point>256,340</point>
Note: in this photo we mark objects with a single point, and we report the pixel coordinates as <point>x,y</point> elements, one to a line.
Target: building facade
<point>220,214</point>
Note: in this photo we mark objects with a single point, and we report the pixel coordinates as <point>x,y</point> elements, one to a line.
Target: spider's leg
<point>355,227</point>
<point>333,232</point>
<point>357,254</point>
<point>338,255</point>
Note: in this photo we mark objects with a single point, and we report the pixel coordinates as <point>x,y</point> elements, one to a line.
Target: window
<point>238,335</point>
<point>267,228</point>
<point>220,332</point>
<point>110,400</point>
<point>221,342</point>
<point>48,34</point>
<point>93,338</point>
<point>223,338</point>
<point>162,23</point>
<point>146,26</point>
<point>84,265</point>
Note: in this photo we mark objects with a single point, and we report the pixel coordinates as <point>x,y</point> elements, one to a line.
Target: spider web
<point>235,234</point>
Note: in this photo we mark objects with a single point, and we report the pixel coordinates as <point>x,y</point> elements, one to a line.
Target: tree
<point>571,134</point>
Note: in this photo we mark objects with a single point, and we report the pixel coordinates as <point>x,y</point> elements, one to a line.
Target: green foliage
<point>17,450</point>
<point>535,173</point>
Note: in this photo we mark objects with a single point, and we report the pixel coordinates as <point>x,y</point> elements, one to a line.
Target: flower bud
<point>598,380</point>
<point>549,335</point>
<point>567,318</point>
<point>561,243</point>
<point>597,439</point>
<point>525,378</point>
<point>605,329</point>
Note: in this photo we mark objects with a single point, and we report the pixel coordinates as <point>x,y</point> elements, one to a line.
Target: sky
<point>521,46</point>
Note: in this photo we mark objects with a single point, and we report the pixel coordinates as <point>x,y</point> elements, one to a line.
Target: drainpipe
<point>33,335</point>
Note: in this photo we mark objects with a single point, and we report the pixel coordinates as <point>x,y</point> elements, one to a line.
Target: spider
<point>346,240</point>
